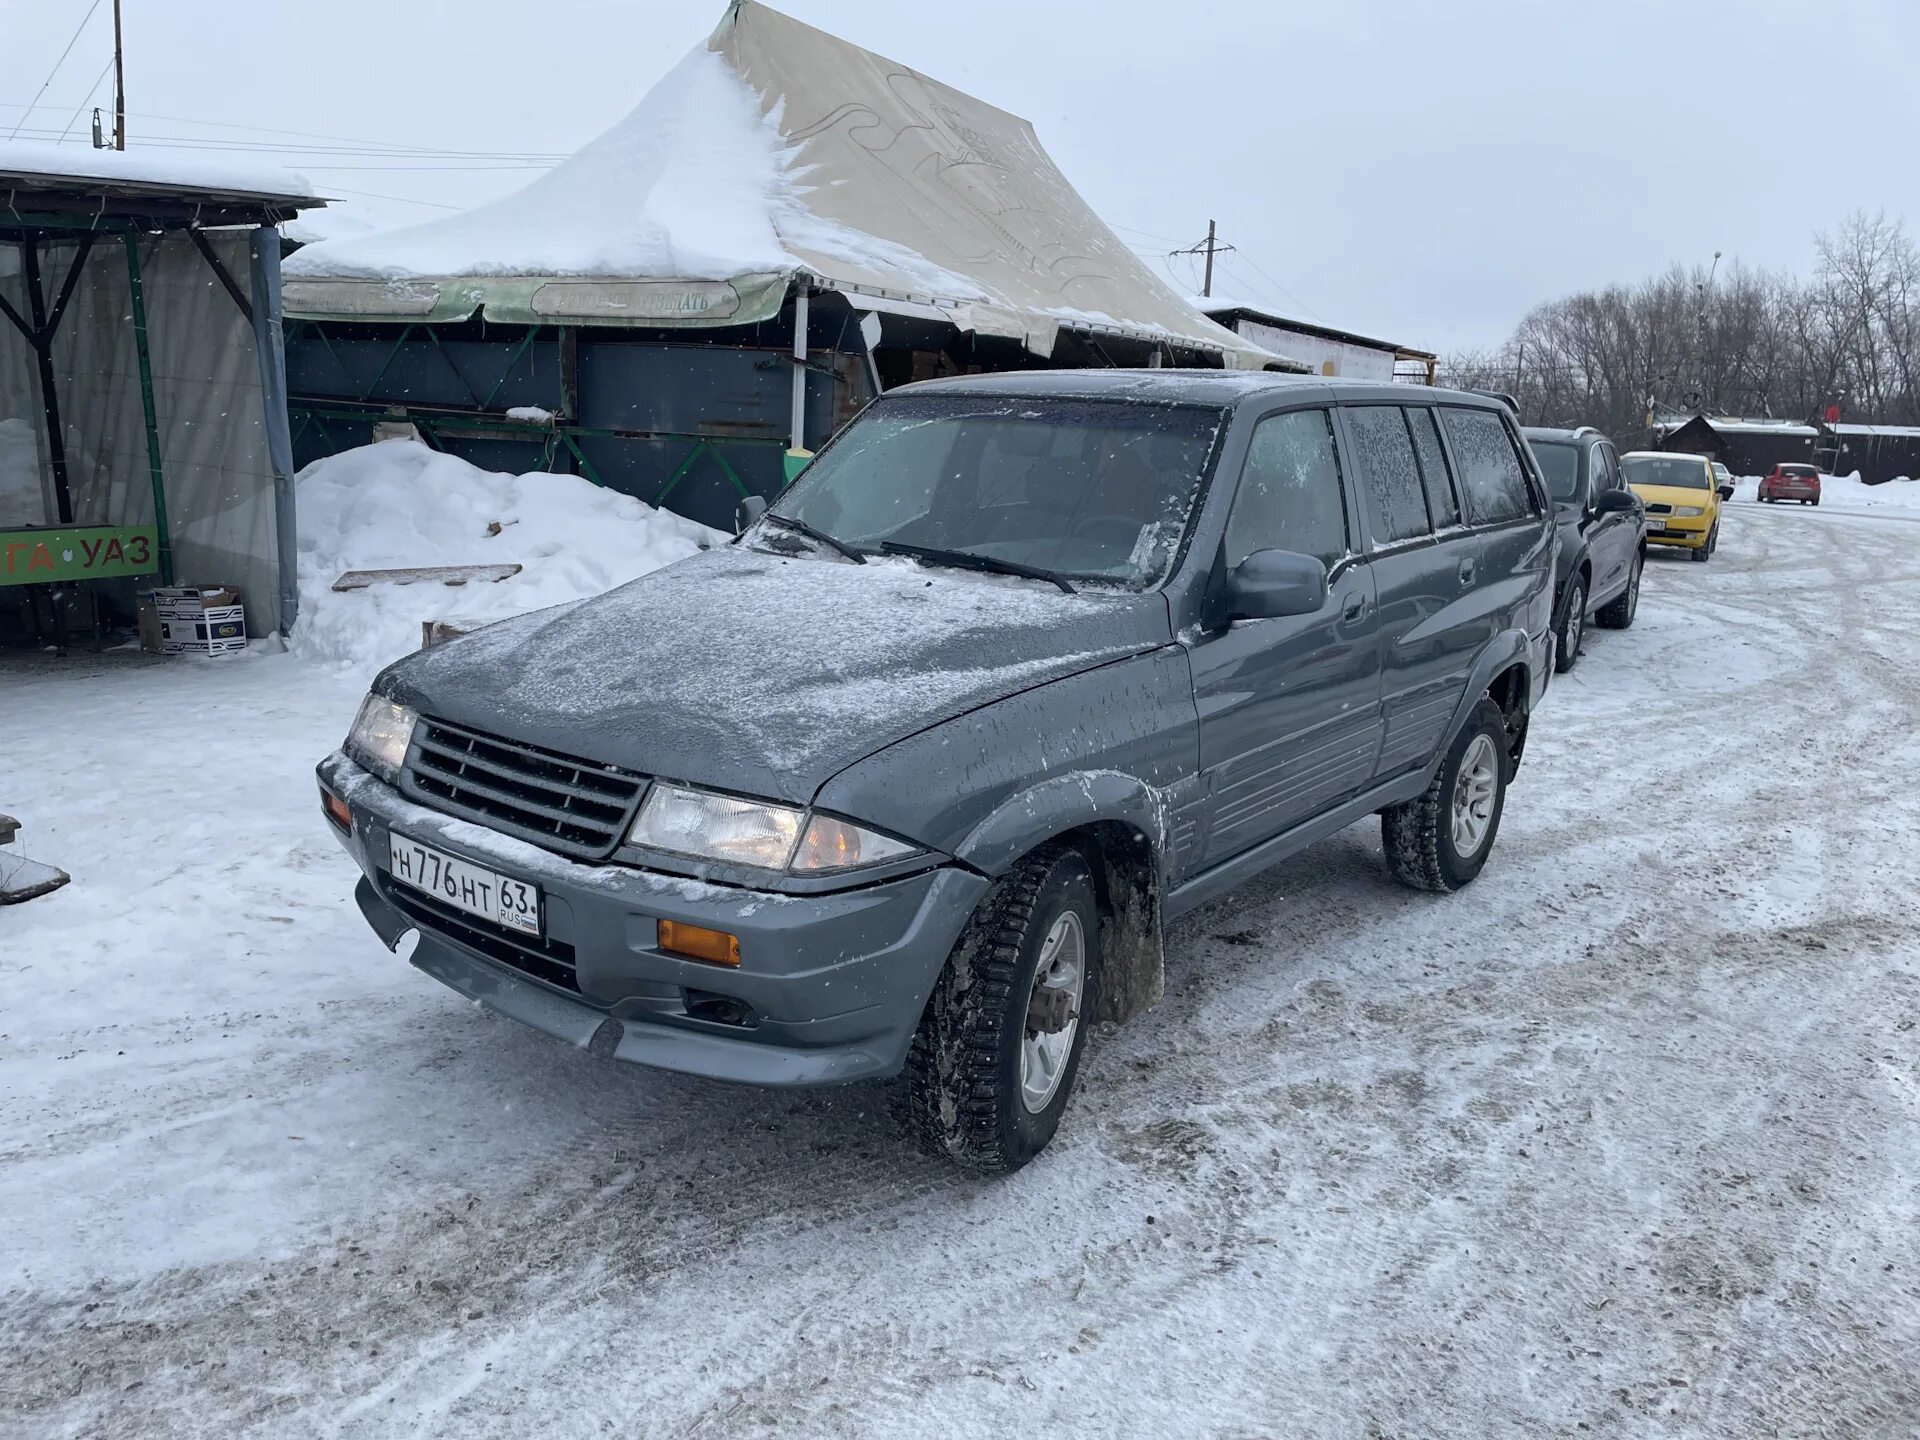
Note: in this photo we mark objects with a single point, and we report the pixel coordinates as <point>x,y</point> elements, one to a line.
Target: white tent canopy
<point>776,151</point>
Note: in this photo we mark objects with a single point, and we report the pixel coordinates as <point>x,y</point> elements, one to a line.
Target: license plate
<point>465,886</point>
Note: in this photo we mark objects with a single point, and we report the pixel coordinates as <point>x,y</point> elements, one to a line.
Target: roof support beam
<point>200,243</point>
<point>66,286</point>
<point>49,388</point>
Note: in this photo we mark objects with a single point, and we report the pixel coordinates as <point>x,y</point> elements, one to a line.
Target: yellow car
<point>1682,496</point>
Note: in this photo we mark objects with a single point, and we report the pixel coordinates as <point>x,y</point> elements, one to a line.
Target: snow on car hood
<point>768,674</point>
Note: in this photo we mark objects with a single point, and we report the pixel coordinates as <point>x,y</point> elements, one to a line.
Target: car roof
<point>1226,388</point>
<point>1550,432</point>
<point>1665,455</point>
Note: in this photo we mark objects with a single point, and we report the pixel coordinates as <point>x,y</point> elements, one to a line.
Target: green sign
<point>87,552</point>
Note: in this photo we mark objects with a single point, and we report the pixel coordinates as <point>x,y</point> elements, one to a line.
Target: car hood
<point>768,674</point>
<point>1673,495</point>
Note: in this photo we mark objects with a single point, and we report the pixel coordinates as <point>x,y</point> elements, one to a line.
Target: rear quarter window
<point>1491,472</point>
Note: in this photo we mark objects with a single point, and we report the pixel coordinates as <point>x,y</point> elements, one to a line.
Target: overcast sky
<point>1423,172</point>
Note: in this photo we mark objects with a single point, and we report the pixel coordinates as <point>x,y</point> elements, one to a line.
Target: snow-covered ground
<point>1622,1140</point>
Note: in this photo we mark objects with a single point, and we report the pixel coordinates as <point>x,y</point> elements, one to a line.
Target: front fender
<point>1060,803</point>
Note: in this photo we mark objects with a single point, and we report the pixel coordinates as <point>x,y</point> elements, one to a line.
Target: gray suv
<point>914,774</point>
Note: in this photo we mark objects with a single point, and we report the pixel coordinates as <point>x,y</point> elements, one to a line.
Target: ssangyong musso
<point>913,775</point>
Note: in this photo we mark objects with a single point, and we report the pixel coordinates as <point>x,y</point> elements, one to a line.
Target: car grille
<point>565,804</point>
<point>543,958</point>
<point>1654,508</point>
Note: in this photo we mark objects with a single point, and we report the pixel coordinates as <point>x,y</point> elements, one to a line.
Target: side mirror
<point>1269,584</point>
<point>750,509</point>
<point>1726,492</point>
<point>1616,502</point>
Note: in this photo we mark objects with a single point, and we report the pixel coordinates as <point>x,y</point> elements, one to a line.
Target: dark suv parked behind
<point>1602,529</point>
<point>915,773</point>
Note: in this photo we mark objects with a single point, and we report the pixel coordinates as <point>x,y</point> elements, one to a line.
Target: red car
<point>1792,482</point>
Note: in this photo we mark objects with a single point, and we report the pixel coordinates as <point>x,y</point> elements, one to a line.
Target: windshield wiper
<point>971,560</point>
<point>817,535</point>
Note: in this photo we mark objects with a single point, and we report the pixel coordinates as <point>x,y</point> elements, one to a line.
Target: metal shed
<point>1879,452</point>
<point>142,381</point>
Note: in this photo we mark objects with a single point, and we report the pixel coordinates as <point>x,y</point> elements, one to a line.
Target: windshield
<point>1679,472</point>
<point>1561,465</point>
<point>1086,489</point>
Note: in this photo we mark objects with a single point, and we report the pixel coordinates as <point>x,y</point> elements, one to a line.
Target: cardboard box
<point>192,620</point>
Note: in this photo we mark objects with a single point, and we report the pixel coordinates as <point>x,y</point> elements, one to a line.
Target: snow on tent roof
<point>772,150</point>
<point>215,173</point>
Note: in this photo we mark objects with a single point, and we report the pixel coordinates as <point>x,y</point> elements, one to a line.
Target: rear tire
<point>970,1098</point>
<point>1618,612</point>
<point>1573,628</point>
<point>1424,839</point>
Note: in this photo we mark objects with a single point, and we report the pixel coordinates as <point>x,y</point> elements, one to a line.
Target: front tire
<point>1618,613</point>
<point>1441,839</point>
<point>987,1079</point>
<point>1573,628</point>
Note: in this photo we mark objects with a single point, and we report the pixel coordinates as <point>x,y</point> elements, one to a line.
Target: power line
<point>202,142</point>
<point>56,68</point>
<point>357,144</point>
<point>402,199</point>
<point>84,103</point>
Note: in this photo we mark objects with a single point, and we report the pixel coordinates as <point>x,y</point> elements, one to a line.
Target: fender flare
<point>1132,944</point>
<point>1505,650</point>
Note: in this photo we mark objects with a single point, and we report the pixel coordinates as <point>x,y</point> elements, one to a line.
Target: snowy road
<point>1622,1140</point>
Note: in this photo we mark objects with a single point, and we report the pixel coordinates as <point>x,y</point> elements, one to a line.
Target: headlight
<point>380,735</point>
<point>1688,510</point>
<point>752,832</point>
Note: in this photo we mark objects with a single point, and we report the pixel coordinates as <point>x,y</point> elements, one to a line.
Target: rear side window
<point>1492,476</point>
<point>1389,475</point>
<point>1289,497</point>
<point>1434,474</point>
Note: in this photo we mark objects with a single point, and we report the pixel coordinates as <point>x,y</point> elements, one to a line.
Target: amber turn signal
<point>696,942</point>
<point>336,810</point>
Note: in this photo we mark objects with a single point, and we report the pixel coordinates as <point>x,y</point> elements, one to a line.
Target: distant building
<point>1746,447</point>
<point>1878,452</point>
<point>1319,349</point>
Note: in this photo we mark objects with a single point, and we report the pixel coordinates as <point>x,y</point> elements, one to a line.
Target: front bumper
<point>830,987</point>
<point>1690,531</point>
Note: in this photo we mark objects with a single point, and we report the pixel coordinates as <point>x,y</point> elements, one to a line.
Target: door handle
<point>1466,572</point>
<point>1354,608</point>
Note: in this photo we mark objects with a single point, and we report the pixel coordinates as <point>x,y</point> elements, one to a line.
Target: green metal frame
<point>28,228</point>
<point>431,426</point>
<point>139,298</point>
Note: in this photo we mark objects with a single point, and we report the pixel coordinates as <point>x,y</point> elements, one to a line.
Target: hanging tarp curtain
<point>207,408</point>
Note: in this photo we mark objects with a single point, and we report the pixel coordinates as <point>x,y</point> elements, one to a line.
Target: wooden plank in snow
<point>421,574</point>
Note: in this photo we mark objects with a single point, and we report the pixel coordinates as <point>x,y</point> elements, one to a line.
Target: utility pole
<point>1208,247</point>
<point>1700,337</point>
<point>119,86</point>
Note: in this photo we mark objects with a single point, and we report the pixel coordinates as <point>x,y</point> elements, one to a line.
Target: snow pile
<point>1848,492</point>
<point>686,186</point>
<point>400,505</point>
<point>22,501</point>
